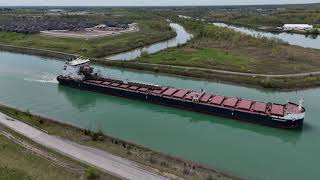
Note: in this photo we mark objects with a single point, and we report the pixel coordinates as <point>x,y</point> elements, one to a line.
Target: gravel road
<point>114,165</point>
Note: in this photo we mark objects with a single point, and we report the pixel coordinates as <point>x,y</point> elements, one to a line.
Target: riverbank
<point>166,164</point>
<point>281,82</point>
<point>274,29</point>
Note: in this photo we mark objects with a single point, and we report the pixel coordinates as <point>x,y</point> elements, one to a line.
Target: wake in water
<point>43,78</point>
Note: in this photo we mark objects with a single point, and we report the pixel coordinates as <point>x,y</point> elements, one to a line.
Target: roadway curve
<point>107,162</point>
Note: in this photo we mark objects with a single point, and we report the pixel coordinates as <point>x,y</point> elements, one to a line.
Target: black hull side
<point>188,105</point>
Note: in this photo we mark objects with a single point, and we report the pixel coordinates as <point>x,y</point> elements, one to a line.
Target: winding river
<point>182,37</point>
<point>244,149</point>
<point>291,38</point>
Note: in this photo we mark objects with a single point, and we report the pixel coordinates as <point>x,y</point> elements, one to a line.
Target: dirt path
<point>235,73</point>
<point>111,164</point>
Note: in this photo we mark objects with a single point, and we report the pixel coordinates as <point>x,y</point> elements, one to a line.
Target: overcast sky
<point>145,2</point>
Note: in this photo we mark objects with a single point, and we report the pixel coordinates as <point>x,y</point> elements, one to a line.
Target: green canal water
<point>243,149</point>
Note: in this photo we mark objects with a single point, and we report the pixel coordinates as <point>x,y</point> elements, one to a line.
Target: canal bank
<point>285,82</point>
<point>147,163</point>
<point>247,150</point>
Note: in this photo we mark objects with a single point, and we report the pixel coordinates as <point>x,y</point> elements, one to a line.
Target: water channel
<point>291,38</point>
<point>244,149</point>
<point>182,37</point>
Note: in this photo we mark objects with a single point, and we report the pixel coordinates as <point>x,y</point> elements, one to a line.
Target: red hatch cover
<point>143,89</point>
<point>205,98</point>
<point>133,87</point>
<point>244,104</point>
<point>169,92</point>
<point>106,83</point>
<point>217,100</point>
<point>277,110</point>
<point>124,86</point>
<point>230,102</point>
<point>259,107</point>
<point>180,93</point>
<point>115,84</point>
<point>159,91</point>
<point>190,95</point>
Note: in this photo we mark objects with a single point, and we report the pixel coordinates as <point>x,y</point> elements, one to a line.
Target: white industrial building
<point>297,27</point>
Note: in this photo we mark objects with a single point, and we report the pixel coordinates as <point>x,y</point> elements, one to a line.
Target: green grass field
<point>203,58</point>
<point>224,49</point>
<point>18,163</point>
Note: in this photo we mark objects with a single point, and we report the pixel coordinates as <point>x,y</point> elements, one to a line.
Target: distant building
<point>56,10</point>
<point>297,27</point>
<point>184,17</point>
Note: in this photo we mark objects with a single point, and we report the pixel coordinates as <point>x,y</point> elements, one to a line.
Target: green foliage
<point>274,19</point>
<point>87,132</point>
<point>205,31</point>
<point>202,57</point>
<point>313,32</point>
<point>92,173</point>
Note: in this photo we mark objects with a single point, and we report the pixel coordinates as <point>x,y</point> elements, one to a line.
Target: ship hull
<point>188,105</point>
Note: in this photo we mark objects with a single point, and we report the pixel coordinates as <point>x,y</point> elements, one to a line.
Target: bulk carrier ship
<point>79,74</point>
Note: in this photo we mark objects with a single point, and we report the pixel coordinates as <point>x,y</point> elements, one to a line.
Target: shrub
<point>95,137</point>
<point>41,121</point>
<point>92,173</point>
<point>87,132</point>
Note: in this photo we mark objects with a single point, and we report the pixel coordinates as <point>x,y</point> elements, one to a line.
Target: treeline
<point>274,19</point>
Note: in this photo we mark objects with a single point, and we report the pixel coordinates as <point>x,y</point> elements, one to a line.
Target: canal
<point>291,38</point>
<point>247,150</point>
<point>182,37</point>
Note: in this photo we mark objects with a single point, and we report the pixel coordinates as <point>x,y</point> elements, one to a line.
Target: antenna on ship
<point>301,104</point>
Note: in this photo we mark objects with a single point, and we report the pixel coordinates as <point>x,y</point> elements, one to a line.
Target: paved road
<point>112,164</point>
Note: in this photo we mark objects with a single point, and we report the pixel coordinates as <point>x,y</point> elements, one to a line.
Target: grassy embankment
<point>151,30</point>
<point>165,164</point>
<point>18,162</point>
<point>224,49</point>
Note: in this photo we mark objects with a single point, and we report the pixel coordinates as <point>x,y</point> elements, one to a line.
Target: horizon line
<point>158,5</point>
